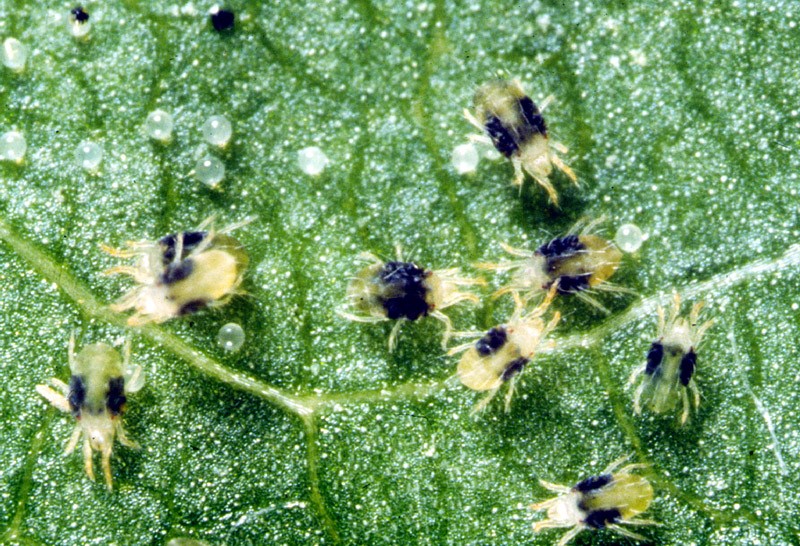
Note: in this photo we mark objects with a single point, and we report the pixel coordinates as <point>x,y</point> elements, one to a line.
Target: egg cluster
<point>184,272</point>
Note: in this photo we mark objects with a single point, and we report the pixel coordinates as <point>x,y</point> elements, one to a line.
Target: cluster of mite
<point>578,264</point>
<point>185,272</point>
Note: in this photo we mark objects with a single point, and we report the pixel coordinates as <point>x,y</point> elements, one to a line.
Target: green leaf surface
<point>680,117</point>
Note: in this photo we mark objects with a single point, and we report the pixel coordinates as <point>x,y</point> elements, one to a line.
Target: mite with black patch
<point>500,355</point>
<point>577,264</point>
<point>96,397</point>
<point>78,23</point>
<point>606,501</point>
<point>180,274</point>
<point>512,122</point>
<point>222,19</point>
<point>78,15</point>
<point>668,372</point>
<point>403,291</point>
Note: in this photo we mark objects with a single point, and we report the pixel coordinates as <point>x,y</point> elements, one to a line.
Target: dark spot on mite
<point>191,239</point>
<point>593,483</point>
<point>598,519</point>
<point>558,250</point>
<point>514,368</point>
<point>654,357</point>
<point>688,363</point>
<point>405,290</point>
<point>79,14</point>
<point>406,307</point>
<point>501,137</point>
<point>177,271</point>
<point>404,275</point>
<point>573,284</point>
<point>223,20</point>
<point>77,394</point>
<point>534,121</point>
<point>192,307</point>
<point>562,247</point>
<point>492,341</point>
<point>115,397</point>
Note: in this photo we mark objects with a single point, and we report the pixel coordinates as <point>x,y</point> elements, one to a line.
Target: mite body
<point>403,291</point>
<point>96,397</point>
<point>222,19</point>
<point>180,274</point>
<point>78,15</point>
<point>78,22</point>
<point>499,356</point>
<point>671,361</point>
<point>513,123</point>
<point>577,264</point>
<point>605,501</point>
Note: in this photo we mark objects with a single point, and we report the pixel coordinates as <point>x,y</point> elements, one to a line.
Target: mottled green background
<point>681,117</point>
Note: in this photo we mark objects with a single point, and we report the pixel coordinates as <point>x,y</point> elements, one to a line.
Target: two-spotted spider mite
<point>500,355</point>
<point>78,23</point>
<point>222,19</point>
<point>579,263</point>
<point>180,273</point>
<point>671,362</point>
<point>78,15</point>
<point>515,125</point>
<point>96,397</point>
<point>605,501</point>
<point>400,290</point>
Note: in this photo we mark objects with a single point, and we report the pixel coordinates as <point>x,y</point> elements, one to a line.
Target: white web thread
<point>648,306</point>
<point>759,406</point>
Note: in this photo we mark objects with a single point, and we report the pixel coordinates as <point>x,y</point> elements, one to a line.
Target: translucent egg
<point>231,337</point>
<point>312,160</point>
<point>134,378</point>
<point>217,131</point>
<point>209,170</point>
<point>88,155</point>
<point>629,238</point>
<point>158,125</point>
<point>13,146</point>
<point>14,54</point>
<point>465,158</point>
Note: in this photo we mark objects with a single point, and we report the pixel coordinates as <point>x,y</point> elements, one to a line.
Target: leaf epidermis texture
<point>679,118</point>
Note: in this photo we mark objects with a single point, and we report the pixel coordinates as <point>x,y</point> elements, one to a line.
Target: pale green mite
<point>510,121</point>
<point>606,501</point>
<point>671,361</point>
<point>180,273</point>
<point>96,397</point>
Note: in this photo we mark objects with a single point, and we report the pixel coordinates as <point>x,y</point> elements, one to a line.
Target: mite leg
<point>73,440</point>
<point>563,167</point>
<point>554,487</point>
<point>544,182</point>
<point>53,397</point>
<point>570,535</point>
<point>448,326</point>
<point>87,458</point>
<point>624,532</point>
<point>473,120</point>
<point>480,406</point>
<point>393,335</point>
